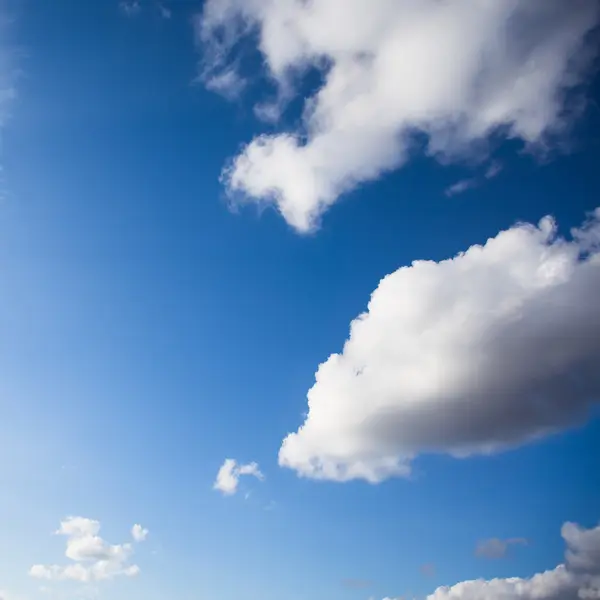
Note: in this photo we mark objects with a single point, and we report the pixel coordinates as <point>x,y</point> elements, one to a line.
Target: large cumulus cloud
<point>487,350</point>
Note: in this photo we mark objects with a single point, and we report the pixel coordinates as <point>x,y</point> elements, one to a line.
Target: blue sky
<point>156,321</point>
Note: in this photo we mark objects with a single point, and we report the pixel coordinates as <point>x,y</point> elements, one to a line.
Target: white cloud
<point>577,579</point>
<point>462,186</point>
<point>229,475</point>
<point>93,558</point>
<point>227,83</point>
<point>497,548</point>
<point>493,348</point>
<point>138,533</point>
<point>458,72</point>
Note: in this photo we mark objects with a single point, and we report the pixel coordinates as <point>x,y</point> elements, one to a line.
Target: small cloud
<point>493,170</point>
<point>461,186</point>
<point>227,83</point>
<point>138,533</point>
<point>229,474</point>
<point>93,559</point>
<point>495,548</point>
<point>268,112</point>
<point>133,8</point>
<point>165,12</point>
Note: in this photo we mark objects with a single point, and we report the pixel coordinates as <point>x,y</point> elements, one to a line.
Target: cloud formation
<point>578,578</point>
<point>488,350</point>
<point>130,8</point>
<point>138,533</point>
<point>496,548</point>
<point>463,185</point>
<point>229,474</point>
<point>456,73</point>
<point>93,559</point>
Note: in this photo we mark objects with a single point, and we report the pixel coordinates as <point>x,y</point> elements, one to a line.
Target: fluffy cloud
<point>453,72</point>
<point>496,548</point>
<point>578,578</point>
<point>138,533</point>
<point>493,348</point>
<point>229,474</point>
<point>93,558</point>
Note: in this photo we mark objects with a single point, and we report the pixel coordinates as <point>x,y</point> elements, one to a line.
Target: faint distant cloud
<point>495,548</point>
<point>493,169</point>
<point>228,84</point>
<point>463,185</point>
<point>272,505</point>
<point>8,90</point>
<point>229,474</point>
<point>269,112</point>
<point>165,11</point>
<point>428,570</point>
<point>357,584</point>
<point>460,187</point>
<point>130,8</point>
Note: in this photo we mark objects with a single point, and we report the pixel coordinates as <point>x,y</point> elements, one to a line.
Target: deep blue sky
<point>148,332</point>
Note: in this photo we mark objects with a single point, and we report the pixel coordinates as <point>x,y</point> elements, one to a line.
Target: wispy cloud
<point>493,170</point>
<point>226,83</point>
<point>130,8</point>
<point>461,186</point>
<point>496,548</point>
<point>133,8</point>
<point>8,71</point>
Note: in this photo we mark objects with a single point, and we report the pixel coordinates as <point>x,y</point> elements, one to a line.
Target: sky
<point>299,300</point>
